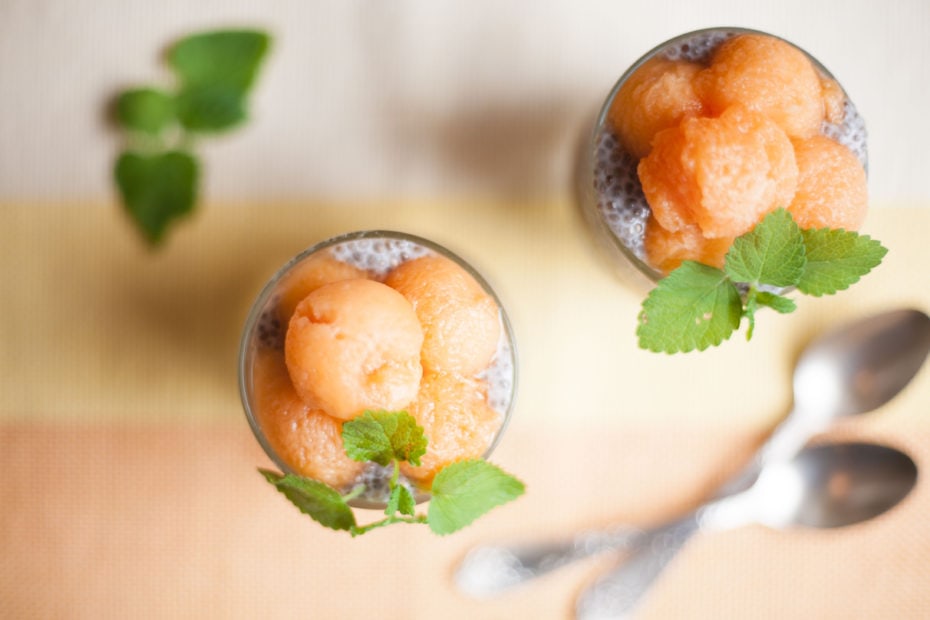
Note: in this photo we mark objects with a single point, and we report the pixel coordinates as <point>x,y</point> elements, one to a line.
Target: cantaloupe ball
<point>658,95</point>
<point>461,322</point>
<point>767,75</point>
<point>834,100</point>
<point>354,345</point>
<point>723,174</point>
<point>456,419</point>
<point>666,250</point>
<point>307,440</point>
<point>832,189</point>
<point>307,276</point>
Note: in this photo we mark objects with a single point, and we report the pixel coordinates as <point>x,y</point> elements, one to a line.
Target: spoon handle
<point>489,570</point>
<point>618,594</point>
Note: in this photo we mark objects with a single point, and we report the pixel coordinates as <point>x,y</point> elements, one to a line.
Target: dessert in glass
<point>376,321</point>
<point>706,134</point>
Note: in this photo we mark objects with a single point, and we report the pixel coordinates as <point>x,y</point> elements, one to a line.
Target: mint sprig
<point>157,173</point>
<point>461,492</point>
<point>697,306</point>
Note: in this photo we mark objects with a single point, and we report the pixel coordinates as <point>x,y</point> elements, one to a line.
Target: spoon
<point>824,486</point>
<point>850,370</point>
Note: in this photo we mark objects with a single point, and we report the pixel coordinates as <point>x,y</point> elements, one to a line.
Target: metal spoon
<point>853,369</point>
<point>824,486</point>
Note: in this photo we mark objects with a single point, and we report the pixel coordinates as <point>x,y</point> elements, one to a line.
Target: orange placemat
<point>157,522</point>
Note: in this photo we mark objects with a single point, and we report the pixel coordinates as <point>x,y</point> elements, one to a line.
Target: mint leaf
<point>321,502</point>
<point>229,58</point>
<point>771,253</point>
<point>836,259</point>
<point>694,307</point>
<point>145,109</point>
<point>210,107</point>
<point>401,500</point>
<point>465,490</point>
<point>382,436</point>
<point>157,189</point>
<point>778,303</point>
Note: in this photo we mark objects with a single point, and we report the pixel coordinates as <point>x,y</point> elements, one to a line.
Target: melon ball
<point>354,345</point>
<point>461,321</point>
<point>834,101</point>
<point>832,189</point>
<point>307,276</point>
<point>767,75</point>
<point>666,250</point>
<point>456,419</point>
<point>307,440</point>
<point>723,174</point>
<point>658,95</point>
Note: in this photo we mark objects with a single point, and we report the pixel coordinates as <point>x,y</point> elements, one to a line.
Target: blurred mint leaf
<point>693,307</point>
<point>157,189</point>
<point>836,259</point>
<point>383,436</point>
<point>465,490</point>
<point>321,502</point>
<point>145,109</point>
<point>771,253</point>
<point>401,500</point>
<point>229,58</point>
<point>210,107</point>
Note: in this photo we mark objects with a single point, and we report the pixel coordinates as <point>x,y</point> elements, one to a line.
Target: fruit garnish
<point>697,306</point>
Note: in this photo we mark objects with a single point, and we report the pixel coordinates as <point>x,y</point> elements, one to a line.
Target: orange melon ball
<point>723,174</point>
<point>461,322</point>
<point>832,189</point>
<point>666,250</point>
<point>309,275</point>
<point>767,75</point>
<point>657,96</point>
<point>456,419</point>
<point>354,345</point>
<point>308,441</point>
<point>834,100</point>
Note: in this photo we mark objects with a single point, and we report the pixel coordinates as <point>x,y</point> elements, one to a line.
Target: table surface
<point>130,486</point>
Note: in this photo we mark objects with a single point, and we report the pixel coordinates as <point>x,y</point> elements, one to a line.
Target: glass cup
<point>376,253</point>
<point>609,191</point>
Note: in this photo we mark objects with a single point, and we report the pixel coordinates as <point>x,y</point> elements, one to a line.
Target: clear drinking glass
<point>609,191</point>
<point>376,252</point>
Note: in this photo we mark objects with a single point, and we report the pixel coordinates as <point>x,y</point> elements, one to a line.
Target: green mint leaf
<point>157,189</point>
<point>771,253</point>
<point>321,502</point>
<point>778,303</point>
<point>401,501</point>
<point>836,259</point>
<point>145,109</point>
<point>210,107</point>
<point>228,58</point>
<point>465,490</point>
<point>693,307</point>
<point>382,436</point>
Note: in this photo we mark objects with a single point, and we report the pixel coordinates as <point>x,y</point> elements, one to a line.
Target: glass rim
<point>268,290</point>
<point>641,266</point>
